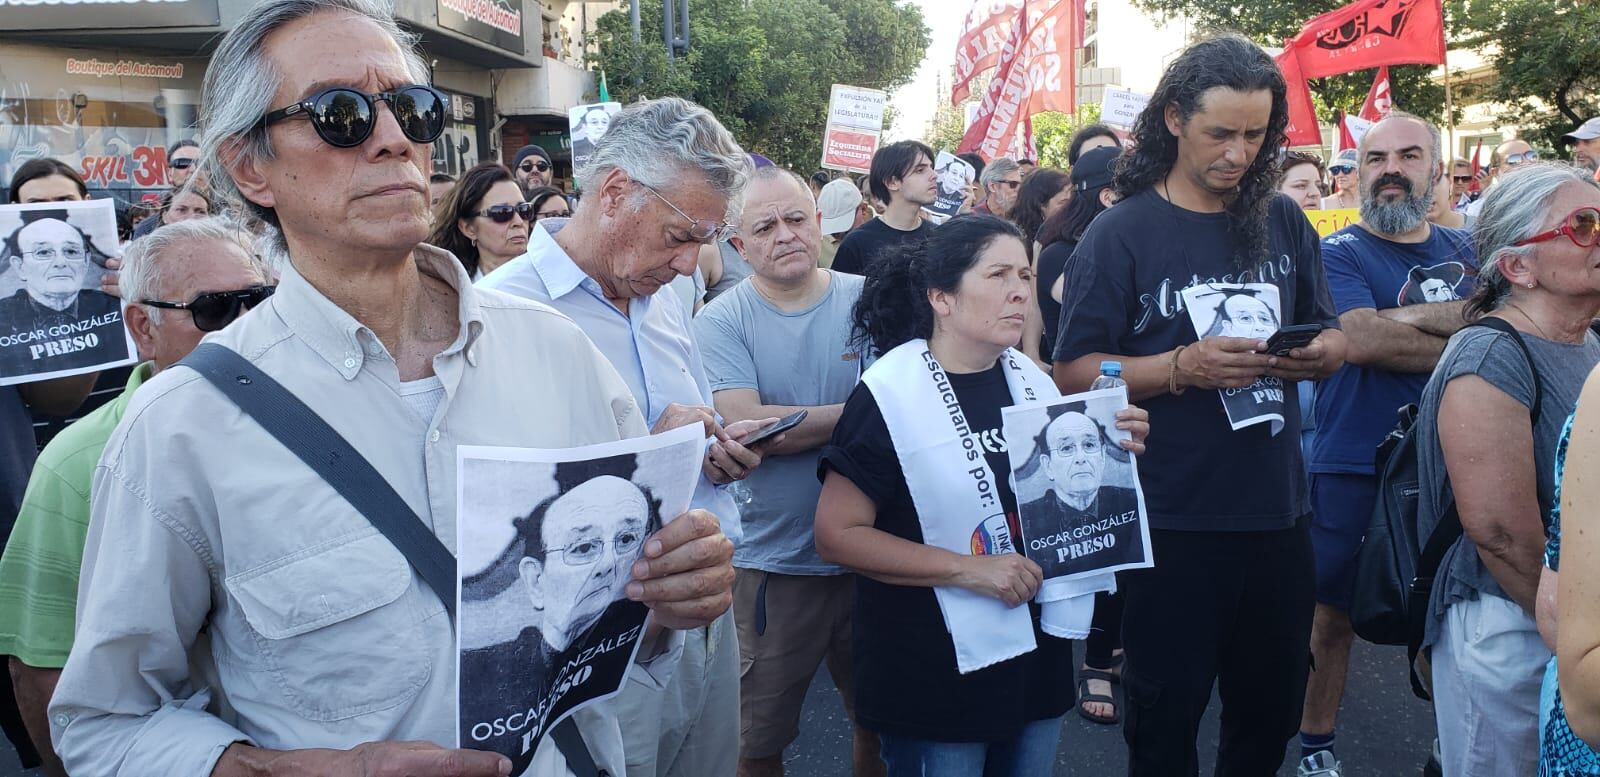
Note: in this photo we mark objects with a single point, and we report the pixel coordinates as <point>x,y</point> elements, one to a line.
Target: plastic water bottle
<point>1110,376</point>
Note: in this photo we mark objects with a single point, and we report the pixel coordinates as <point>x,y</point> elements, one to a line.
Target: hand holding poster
<point>1078,496</point>
<point>1248,310</point>
<point>589,123</point>
<point>547,540</point>
<point>955,177</point>
<point>54,320</point>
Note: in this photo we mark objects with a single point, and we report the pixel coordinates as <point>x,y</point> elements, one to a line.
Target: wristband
<point>1172,374</point>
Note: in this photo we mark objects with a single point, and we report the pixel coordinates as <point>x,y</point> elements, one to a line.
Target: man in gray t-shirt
<point>778,343</point>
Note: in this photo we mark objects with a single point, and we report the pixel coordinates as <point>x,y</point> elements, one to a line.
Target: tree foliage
<point>1053,132</point>
<point>765,67</point>
<point>1546,54</point>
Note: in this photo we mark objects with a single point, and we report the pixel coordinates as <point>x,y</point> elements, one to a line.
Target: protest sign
<point>547,540</point>
<point>1241,310</point>
<point>589,123</point>
<point>954,176</point>
<point>54,320</point>
<point>1121,107</point>
<point>855,122</point>
<point>1079,501</point>
<point>1332,220</point>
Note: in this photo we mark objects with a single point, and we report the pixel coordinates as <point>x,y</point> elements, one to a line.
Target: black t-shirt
<point>1052,261</point>
<point>865,243</point>
<point>905,661</point>
<point>1122,297</point>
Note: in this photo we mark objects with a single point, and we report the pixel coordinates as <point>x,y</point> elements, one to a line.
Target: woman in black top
<point>965,290</point>
<point>1091,194</point>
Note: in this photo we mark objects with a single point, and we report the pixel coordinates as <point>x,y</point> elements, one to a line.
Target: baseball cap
<point>1346,157</point>
<point>1589,131</point>
<point>1093,169</point>
<point>838,203</point>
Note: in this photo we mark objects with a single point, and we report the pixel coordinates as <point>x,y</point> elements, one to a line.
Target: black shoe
<point>1433,769</point>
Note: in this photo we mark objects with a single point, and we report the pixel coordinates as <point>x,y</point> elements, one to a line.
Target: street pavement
<point>1383,730</point>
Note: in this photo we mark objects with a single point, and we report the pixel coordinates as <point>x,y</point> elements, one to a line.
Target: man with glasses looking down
<point>202,266</point>
<point>236,615</point>
<point>663,181</point>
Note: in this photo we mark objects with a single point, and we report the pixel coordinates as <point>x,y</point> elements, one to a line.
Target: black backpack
<point>1394,567</point>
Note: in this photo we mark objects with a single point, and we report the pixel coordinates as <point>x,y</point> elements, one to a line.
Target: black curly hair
<point>1229,62</point>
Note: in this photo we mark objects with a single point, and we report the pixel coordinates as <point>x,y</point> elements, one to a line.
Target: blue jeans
<point>1031,753</point>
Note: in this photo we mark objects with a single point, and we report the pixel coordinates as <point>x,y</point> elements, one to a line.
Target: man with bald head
<point>52,258</point>
<point>776,344</point>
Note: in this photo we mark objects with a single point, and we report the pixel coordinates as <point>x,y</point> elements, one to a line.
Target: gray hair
<point>656,141</point>
<point>241,82</point>
<point>144,273</point>
<point>997,169</point>
<point>1514,209</point>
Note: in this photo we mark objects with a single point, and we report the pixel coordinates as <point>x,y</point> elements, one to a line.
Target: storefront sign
<point>123,68</point>
<point>106,14</point>
<point>496,22</point>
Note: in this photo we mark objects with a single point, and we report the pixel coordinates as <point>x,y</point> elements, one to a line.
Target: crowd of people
<point>180,594</point>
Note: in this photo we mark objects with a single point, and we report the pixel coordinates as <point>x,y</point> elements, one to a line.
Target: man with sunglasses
<point>39,572</point>
<point>183,161</point>
<point>1506,157</point>
<point>660,184</point>
<point>238,616</point>
<point>1461,193</point>
<point>532,167</point>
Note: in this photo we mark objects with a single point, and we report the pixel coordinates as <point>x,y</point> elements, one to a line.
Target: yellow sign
<point>1328,222</point>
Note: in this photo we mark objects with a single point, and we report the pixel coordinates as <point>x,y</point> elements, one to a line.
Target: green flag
<point>605,94</point>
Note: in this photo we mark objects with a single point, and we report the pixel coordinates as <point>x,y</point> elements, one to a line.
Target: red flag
<point>1035,73</point>
<point>1303,130</point>
<point>1369,33</point>
<point>983,37</point>
<point>1476,168</point>
<point>1056,27</point>
<point>1379,99</point>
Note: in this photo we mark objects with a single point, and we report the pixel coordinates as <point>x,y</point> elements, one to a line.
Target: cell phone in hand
<point>784,424</point>
<point>1291,337</point>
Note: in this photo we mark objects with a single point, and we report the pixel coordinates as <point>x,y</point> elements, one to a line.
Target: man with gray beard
<point>1397,284</point>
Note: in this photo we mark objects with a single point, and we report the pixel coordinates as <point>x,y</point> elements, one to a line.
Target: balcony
<point>547,90</point>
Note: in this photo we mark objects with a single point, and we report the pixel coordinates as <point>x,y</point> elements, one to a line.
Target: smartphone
<point>1291,337</point>
<point>784,424</point>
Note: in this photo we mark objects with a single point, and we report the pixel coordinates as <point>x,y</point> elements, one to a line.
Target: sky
<point>914,103</point>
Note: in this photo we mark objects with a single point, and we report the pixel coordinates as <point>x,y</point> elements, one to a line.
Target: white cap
<point>1589,131</point>
<point>838,204</point>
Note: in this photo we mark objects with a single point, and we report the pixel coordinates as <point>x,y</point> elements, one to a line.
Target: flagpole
<point>1449,99</point>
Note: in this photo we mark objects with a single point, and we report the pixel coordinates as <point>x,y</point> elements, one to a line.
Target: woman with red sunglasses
<point>1491,418</point>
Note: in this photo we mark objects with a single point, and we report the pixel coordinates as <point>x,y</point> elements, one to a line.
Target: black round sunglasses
<point>344,117</point>
<point>216,309</point>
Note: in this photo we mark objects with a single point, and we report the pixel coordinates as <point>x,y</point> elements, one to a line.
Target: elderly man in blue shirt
<point>663,182</point>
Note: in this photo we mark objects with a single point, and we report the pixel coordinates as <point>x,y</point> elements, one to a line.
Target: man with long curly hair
<point>1230,599</point>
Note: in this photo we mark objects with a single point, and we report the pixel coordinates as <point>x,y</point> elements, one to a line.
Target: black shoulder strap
<point>328,454</point>
<point>1449,529</point>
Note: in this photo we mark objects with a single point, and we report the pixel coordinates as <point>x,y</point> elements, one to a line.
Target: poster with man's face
<point>954,176</point>
<point>1079,501</point>
<point>54,319</point>
<point>1249,310</point>
<point>547,540</point>
<point>589,123</point>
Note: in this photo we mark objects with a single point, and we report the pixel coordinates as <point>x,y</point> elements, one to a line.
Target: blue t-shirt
<point>1123,296</point>
<point>1355,407</point>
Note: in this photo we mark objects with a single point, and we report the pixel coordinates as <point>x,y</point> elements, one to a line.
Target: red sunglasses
<point>1581,226</point>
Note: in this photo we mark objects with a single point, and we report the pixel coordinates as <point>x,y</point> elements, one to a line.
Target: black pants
<point>1226,608</point>
<point>1105,632</point>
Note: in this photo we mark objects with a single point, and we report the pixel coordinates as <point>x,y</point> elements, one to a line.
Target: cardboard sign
<point>1121,107</point>
<point>1330,221</point>
<point>855,123</point>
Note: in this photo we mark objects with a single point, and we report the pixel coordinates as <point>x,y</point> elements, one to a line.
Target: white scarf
<point>957,499</point>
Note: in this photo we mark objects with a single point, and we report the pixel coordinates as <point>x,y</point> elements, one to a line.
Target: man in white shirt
<point>662,182</point>
<point>237,616</point>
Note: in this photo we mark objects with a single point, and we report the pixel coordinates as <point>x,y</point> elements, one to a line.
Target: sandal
<point>1084,697</point>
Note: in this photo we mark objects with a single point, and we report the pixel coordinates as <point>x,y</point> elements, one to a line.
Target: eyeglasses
<point>72,253</point>
<point>702,230</point>
<point>1070,449</point>
<point>344,117</point>
<point>216,309</point>
<point>529,165</point>
<point>501,214</point>
<point>180,164</point>
<point>1341,170</point>
<point>1517,159</point>
<point>1581,226</point>
<point>1461,178</point>
<point>585,551</point>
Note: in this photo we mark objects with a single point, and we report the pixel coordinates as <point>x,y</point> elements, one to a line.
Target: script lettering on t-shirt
<point>1167,301</point>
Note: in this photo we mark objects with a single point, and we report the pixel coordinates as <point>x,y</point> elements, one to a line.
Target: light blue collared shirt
<point>650,345</point>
